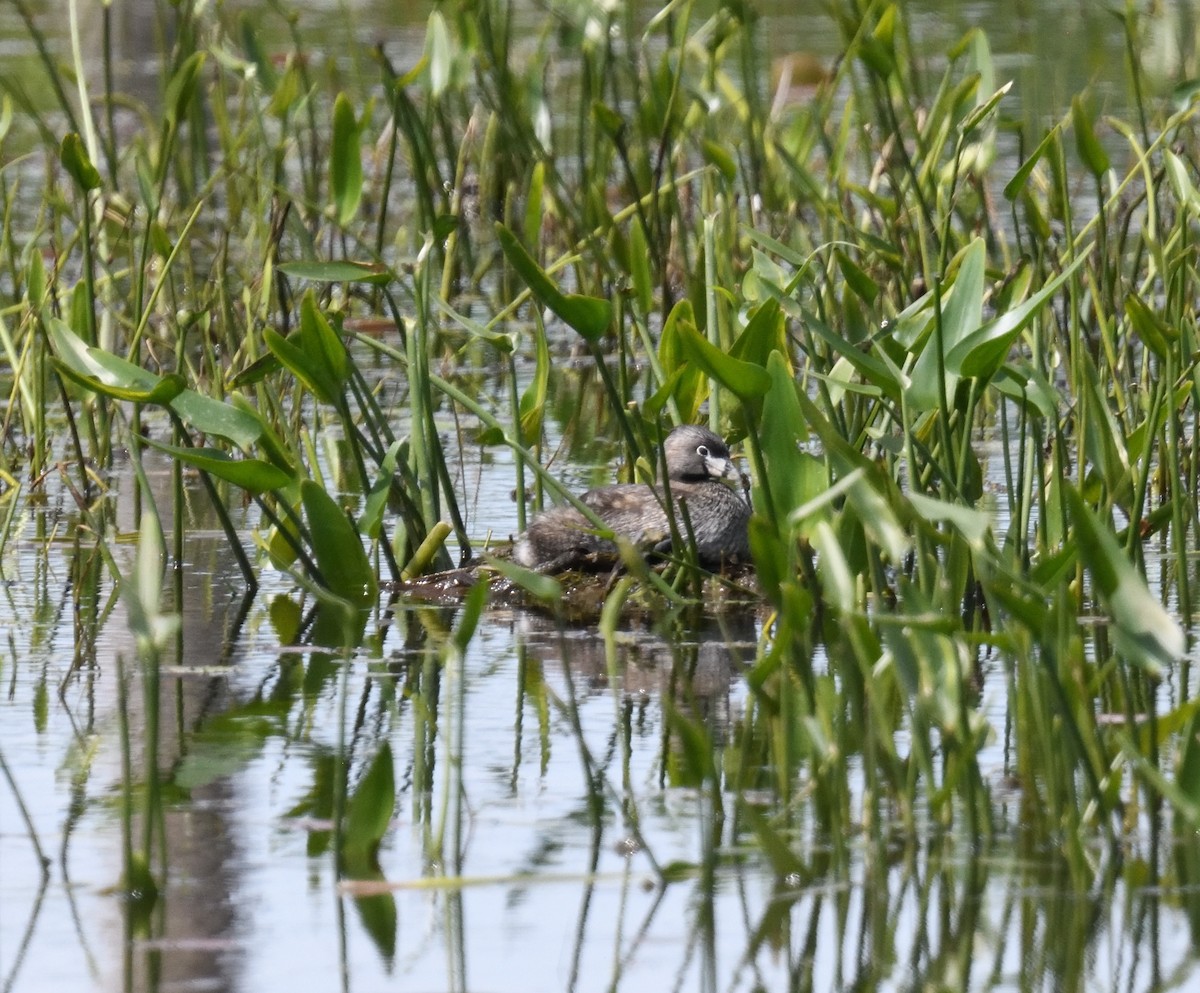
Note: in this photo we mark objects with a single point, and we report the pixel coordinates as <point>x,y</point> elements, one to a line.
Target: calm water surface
<point>548,900</point>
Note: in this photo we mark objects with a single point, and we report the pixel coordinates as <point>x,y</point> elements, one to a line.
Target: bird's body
<point>697,460</point>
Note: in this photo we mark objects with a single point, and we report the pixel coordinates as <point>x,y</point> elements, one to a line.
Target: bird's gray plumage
<point>697,460</point>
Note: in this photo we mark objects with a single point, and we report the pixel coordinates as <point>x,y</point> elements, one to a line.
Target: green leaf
<point>859,282</point>
<point>1152,329</point>
<point>686,381</point>
<point>338,548</point>
<point>438,53</point>
<point>252,475</point>
<point>770,554</point>
<point>112,376</point>
<point>838,583</point>
<point>340,271</point>
<point>717,155</point>
<point>639,266</point>
<point>415,72</point>
<point>878,49</point>
<point>962,312</point>
<point>796,478</point>
<point>163,391</point>
<point>533,400</point>
<point>497,339</point>
<point>745,380</point>
<point>1105,440</point>
<point>1144,632</point>
<point>288,94</point>
<point>535,205</point>
<point>1185,94</point>
<point>765,333</point>
<point>294,359</point>
<point>610,122</point>
<point>591,317</point>
<point>270,442</point>
<point>41,705</point>
<point>376,910</point>
<point>371,517</point>
<point>1181,180</point>
<point>980,113</point>
<point>78,164</point>
<point>209,415</point>
<point>105,373</point>
<point>929,665</point>
<point>345,161</point>
<point>972,524</point>
<point>370,809</point>
<point>256,372</point>
<point>538,585</point>
<point>248,34</point>
<point>869,494</point>
<point>287,619</point>
<point>6,116</point>
<point>322,343</point>
<point>35,281</point>
<point>1020,382</point>
<point>468,621</point>
<point>1187,776</point>
<point>878,58</point>
<point>1091,152</point>
<point>1016,185</point>
<point>870,367</point>
<point>980,354</point>
<point>182,88</point>
<point>142,589</point>
<point>691,761</point>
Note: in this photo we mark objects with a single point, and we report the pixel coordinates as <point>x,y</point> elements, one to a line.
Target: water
<point>1051,51</point>
<point>543,897</point>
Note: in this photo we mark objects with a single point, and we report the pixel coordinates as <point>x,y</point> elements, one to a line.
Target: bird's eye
<point>702,451</point>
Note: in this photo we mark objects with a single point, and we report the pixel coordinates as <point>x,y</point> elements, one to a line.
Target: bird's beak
<point>719,468</point>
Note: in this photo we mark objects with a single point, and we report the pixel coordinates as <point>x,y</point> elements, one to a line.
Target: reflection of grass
<point>966,392</point>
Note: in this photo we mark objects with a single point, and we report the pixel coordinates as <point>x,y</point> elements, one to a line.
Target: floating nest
<point>584,590</point>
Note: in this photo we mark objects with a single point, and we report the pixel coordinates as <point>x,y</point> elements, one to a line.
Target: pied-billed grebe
<point>697,460</point>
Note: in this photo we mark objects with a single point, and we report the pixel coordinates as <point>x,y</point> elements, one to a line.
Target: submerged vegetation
<point>959,360</point>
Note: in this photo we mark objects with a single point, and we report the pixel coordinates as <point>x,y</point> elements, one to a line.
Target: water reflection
<point>696,666</point>
<point>1050,50</point>
<point>504,867</point>
<point>76,641</point>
